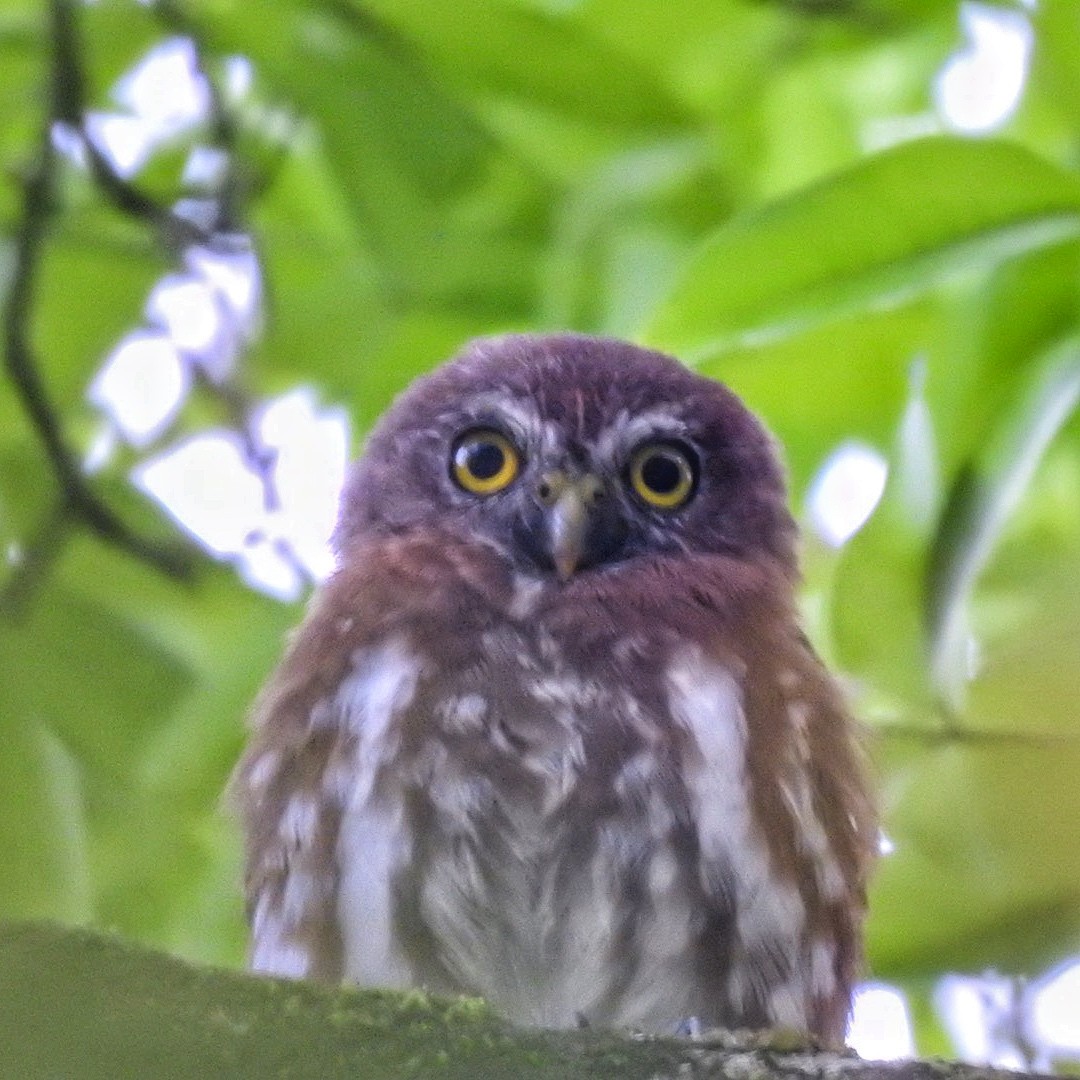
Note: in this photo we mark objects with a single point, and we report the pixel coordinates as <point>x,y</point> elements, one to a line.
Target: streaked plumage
<point>551,743</point>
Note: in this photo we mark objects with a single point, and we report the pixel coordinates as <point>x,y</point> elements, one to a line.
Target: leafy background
<point>769,189</point>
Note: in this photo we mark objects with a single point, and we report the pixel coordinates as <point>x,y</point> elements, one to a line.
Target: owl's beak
<point>569,505</point>
<point>568,519</point>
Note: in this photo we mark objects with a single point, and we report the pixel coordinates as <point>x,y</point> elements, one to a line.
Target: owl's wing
<point>325,838</point>
<point>786,827</point>
<point>322,728</point>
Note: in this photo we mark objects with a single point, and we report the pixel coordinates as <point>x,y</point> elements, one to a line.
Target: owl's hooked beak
<point>569,502</point>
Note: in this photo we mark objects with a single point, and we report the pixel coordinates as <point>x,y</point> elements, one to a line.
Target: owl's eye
<point>484,461</point>
<point>663,475</point>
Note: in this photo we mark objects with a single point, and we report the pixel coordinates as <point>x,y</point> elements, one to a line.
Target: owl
<point>551,734</point>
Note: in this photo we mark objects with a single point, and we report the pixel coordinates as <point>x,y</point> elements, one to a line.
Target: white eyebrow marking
<point>532,433</point>
<point>626,431</point>
<point>516,411</point>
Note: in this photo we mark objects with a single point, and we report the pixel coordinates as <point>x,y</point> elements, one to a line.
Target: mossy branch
<point>74,1003</point>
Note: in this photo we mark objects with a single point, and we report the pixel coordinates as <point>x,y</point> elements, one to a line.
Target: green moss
<point>80,1004</point>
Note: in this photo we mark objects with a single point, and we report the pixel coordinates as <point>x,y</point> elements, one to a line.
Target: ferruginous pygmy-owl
<point>551,734</point>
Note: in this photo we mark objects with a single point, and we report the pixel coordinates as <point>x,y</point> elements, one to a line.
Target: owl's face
<point>572,455</point>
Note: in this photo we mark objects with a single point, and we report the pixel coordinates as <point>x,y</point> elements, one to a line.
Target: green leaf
<point>833,383</point>
<point>982,499</point>
<point>993,338</point>
<point>43,842</point>
<point>408,158</point>
<point>877,623</point>
<point>880,232</point>
<point>554,62</point>
<point>94,678</point>
<point>987,854</point>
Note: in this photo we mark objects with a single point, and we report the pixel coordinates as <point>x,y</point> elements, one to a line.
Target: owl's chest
<point>528,806</point>
<point>522,821</point>
<point>536,755</point>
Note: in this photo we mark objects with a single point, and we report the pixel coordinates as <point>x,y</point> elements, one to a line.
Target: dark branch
<point>952,734</point>
<point>175,230</point>
<point>34,561</point>
<point>68,107</point>
<point>39,190</point>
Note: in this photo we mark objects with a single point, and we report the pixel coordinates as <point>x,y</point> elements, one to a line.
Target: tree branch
<point>947,734</point>
<point>69,107</point>
<point>35,560</point>
<point>39,190</point>
<point>78,1003</point>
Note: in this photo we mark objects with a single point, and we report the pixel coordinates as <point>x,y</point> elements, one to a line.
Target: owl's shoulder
<point>439,596</point>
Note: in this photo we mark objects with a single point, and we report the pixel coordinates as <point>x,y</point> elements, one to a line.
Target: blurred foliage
<point>730,181</point>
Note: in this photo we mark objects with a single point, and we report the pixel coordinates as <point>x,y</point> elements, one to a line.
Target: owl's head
<point>572,454</point>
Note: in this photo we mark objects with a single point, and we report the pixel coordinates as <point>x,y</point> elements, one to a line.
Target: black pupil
<point>484,460</point>
<point>661,473</point>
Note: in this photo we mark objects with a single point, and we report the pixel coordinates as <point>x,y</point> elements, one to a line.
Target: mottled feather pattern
<point>630,797</point>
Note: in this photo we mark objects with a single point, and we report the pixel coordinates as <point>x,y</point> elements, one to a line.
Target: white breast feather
<point>706,699</point>
<point>373,844</point>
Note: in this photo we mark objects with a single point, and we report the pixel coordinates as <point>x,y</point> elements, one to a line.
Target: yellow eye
<point>484,461</point>
<point>663,475</point>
